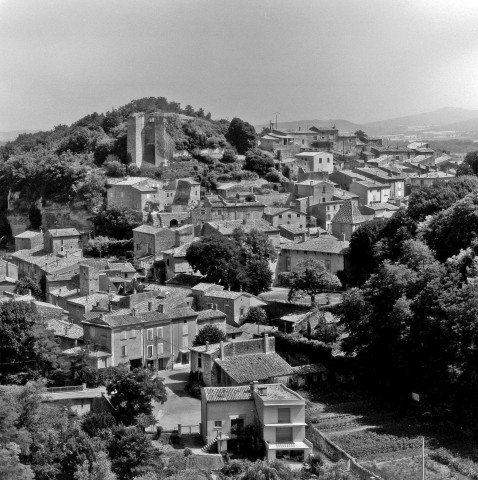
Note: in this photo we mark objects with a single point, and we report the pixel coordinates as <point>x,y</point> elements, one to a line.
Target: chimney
<point>133,312</point>
<point>110,307</point>
<point>304,237</point>
<point>240,287</point>
<point>102,316</point>
<point>150,306</point>
<point>221,350</point>
<point>266,343</point>
<point>343,237</point>
<point>207,346</point>
<point>228,288</point>
<point>214,307</point>
<point>161,308</point>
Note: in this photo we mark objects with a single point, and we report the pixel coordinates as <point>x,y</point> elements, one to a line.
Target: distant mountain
<point>11,135</point>
<point>342,125</point>
<point>466,126</point>
<point>438,118</point>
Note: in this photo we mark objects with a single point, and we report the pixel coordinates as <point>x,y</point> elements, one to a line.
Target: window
<point>185,342</point>
<point>122,194</point>
<point>323,189</point>
<point>328,160</point>
<point>160,349</point>
<point>199,361</point>
<point>323,199</point>
<point>219,212</point>
<point>298,215</point>
<point>149,333</point>
<point>320,160</point>
<point>185,327</point>
<point>159,332</point>
<point>203,212</point>
<point>149,351</point>
<point>123,351</point>
<point>132,333</point>
<point>123,335</point>
<point>284,435</point>
<point>280,217</point>
<point>288,216</point>
<point>217,423</point>
<point>287,263</point>
<point>283,415</point>
<point>327,265</point>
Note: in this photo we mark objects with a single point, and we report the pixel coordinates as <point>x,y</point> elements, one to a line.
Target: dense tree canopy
<point>242,261</point>
<point>132,393</point>
<point>115,222</point>
<point>241,135</point>
<point>209,334</point>
<point>259,162</point>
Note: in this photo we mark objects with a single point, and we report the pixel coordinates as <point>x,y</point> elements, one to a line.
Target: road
<point>179,407</point>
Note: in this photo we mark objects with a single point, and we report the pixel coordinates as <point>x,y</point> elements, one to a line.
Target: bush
<point>284,279</point>
<point>229,156</point>
<point>274,176</point>
<point>114,168</point>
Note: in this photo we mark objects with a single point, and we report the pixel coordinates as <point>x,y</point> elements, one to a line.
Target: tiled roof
<point>124,267</point>
<point>144,188</point>
<point>63,232</point>
<point>344,194</point>
<point>311,368</point>
<point>275,210</point>
<point>28,234</point>
<point>5,278</point>
<point>276,391</point>
<point>325,244</point>
<point>348,213</point>
<point>145,317</point>
<point>211,348</point>
<point>228,394</point>
<point>255,329</point>
<point>255,366</point>
<point>227,227</point>
<point>224,294</point>
<point>204,287</point>
<point>230,329</point>
<point>65,329</point>
<point>133,180</point>
<point>210,314</point>
<point>148,229</point>
<point>178,252</point>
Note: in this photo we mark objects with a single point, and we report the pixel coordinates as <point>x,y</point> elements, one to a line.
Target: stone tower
<point>89,280</point>
<point>135,138</point>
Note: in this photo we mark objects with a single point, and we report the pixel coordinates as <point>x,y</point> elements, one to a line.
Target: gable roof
<point>255,366</point>
<point>62,328</point>
<point>324,243</point>
<point>227,227</point>
<point>64,232</point>
<point>348,213</point>
<point>28,234</point>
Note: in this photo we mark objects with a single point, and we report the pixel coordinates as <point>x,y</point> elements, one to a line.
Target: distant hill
<point>469,126</point>
<point>444,117</point>
<point>342,125</point>
<point>11,135</point>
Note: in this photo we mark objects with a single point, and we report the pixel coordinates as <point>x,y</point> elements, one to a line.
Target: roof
<point>148,229</point>
<point>62,328</point>
<point>224,294</point>
<point>144,188</point>
<point>133,180</point>
<point>276,210</point>
<point>294,318</point>
<point>28,234</point>
<point>178,252</point>
<point>344,194</point>
<point>255,329</point>
<point>325,244</point>
<point>311,154</point>
<point>231,329</point>
<point>255,366</point>
<point>204,287</point>
<point>63,232</point>
<point>227,227</point>
<point>348,213</point>
<point>276,391</point>
<point>114,321</point>
<point>210,349</point>
<point>371,184</point>
<point>210,314</point>
<point>228,394</point>
<point>311,368</point>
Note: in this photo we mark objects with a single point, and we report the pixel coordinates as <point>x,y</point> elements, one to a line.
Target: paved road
<point>179,407</point>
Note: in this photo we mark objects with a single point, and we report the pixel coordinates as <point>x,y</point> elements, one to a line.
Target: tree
<point>27,285</point>
<point>259,162</point>
<point>209,334</point>
<point>262,470</point>
<point>115,222</point>
<point>35,217</point>
<point>132,394</point>
<point>361,135</point>
<point>10,466</point>
<point>100,469</point>
<point>131,453</point>
<point>93,423</point>
<point>114,168</point>
<point>255,315</point>
<point>27,349</point>
<point>312,279</point>
<point>241,135</point>
<point>472,160</point>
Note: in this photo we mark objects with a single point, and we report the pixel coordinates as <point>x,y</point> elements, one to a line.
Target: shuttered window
<point>284,435</point>
<point>283,415</point>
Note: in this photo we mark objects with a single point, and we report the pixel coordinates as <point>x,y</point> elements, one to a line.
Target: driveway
<point>179,407</point>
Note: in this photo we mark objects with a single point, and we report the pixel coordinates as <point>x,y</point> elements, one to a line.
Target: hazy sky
<point>361,60</point>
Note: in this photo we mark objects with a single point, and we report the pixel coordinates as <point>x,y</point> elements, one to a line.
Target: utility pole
<point>277,113</point>
<point>423,458</point>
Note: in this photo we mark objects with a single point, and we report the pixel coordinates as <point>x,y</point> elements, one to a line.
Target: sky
<point>360,60</point>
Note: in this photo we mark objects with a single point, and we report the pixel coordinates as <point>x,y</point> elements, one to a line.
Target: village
<point>236,359</point>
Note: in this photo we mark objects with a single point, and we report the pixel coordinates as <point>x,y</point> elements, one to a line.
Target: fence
<point>74,388</point>
<point>335,453</point>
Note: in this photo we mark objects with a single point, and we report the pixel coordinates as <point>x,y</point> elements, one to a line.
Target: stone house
<point>61,240</point>
<point>396,181</point>
<point>239,362</point>
<point>347,220</point>
<point>277,411</point>
<point>284,216</point>
<point>325,248</point>
<point>370,191</point>
<point>28,240</point>
<point>152,339</point>
<point>313,162</point>
<point>175,261</point>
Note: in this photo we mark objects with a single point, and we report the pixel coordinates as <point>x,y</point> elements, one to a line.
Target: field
<point>389,443</point>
